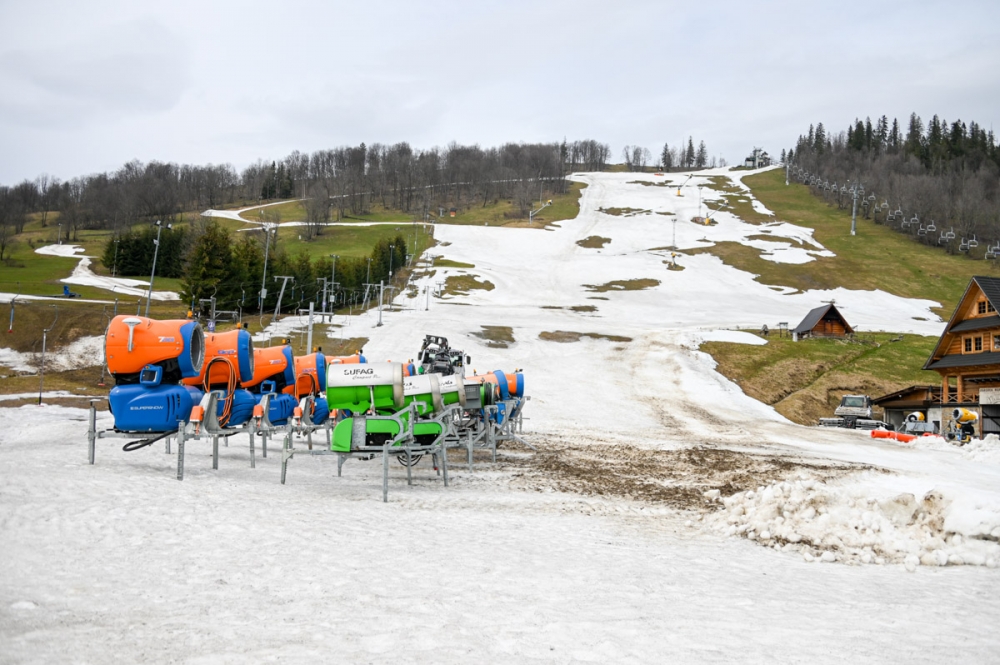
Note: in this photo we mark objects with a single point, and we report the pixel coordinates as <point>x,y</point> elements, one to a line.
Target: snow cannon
<point>355,359</point>
<point>310,374</point>
<point>964,416</point>
<point>229,362</point>
<point>358,389</point>
<point>148,359</point>
<point>134,342</point>
<point>310,379</point>
<point>452,389</point>
<point>275,364</point>
<point>425,392</point>
<point>915,417</point>
<point>274,372</point>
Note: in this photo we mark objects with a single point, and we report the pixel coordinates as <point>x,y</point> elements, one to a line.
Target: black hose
<point>142,443</point>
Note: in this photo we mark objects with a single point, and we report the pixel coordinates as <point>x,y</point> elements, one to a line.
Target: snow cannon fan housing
<point>236,346</point>
<point>359,388</point>
<point>273,363</point>
<point>425,391</point>
<point>312,365</point>
<point>132,343</point>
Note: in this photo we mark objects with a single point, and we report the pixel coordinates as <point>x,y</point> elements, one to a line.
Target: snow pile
<point>83,276</point>
<point>829,523</point>
<point>985,450</point>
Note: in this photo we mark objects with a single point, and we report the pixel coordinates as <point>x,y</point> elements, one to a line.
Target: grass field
<point>876,258</point>
<point>805,380</point>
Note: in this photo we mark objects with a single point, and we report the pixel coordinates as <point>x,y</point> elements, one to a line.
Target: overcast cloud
<point>90,86</point>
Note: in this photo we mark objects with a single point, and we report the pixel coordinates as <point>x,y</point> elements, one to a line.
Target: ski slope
<point>119,561</point>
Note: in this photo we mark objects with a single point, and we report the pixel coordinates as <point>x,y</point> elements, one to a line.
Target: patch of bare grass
<point>623,285</point>
<point>567,336</point>
<point>623,212</point>
<point>593,242</point>
<point>496,336</point>
<point>460,285</point>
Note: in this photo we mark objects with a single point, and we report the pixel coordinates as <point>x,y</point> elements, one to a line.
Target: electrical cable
<point>142,443</point>
<point>227,404</point>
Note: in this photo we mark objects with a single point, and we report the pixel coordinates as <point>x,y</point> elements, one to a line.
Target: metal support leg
<point>444,464</point>
<point>215,452</point>
<point>180,453</point>
<point>263,444</point>
<point>286,454</point>
<point>253,451</point>
<point>309,436</point>
<point>92,434</point>
<point>166,445</point>
<point>340,464</point>
<point>385,473</point>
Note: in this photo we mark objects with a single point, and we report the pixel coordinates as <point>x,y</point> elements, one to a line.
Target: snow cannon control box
<point>360,387</point>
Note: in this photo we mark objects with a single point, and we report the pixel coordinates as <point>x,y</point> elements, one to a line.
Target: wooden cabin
<point>968,354</point>
<point>825,321</point>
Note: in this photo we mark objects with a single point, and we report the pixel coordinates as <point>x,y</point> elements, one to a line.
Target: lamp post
<point>156,252</point>
<point>532,213</point>
<point>114,269</point>
<point>333,285</point>
<point>41,372</point>
<point>59,234</point>
<point>392,250</point>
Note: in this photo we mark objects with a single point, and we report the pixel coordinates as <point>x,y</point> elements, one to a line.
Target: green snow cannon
<point>452,389</point>
<point>425,391</point>
<point>360,387</point>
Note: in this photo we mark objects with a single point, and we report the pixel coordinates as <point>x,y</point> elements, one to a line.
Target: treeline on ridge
<point>923,182</point>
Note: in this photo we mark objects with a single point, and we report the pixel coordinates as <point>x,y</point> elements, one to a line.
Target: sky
<point>90,86</point>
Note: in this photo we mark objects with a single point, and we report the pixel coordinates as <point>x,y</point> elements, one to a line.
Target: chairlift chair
<point>949,235</point>
<point>921,231</point>
<point>963,246</point>
<point>993,251</point>
<point>931,227</point>
<point>973,243</point>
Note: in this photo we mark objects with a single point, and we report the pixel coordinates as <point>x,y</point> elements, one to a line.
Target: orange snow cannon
<point>274,363</point>
<point>310,374</point>
<point>346,360</point>
<point>133,342</point>
<point>236,346</point>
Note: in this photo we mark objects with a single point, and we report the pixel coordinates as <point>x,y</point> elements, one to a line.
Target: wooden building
<point>968,354</point>
<point>825,321</point>
<point>924,399</point>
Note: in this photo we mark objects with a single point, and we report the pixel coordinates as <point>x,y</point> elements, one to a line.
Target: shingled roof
<point>816,315</point>
<point>990,286</point>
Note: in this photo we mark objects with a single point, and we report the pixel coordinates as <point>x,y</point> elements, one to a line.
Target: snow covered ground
<point>832,554</point>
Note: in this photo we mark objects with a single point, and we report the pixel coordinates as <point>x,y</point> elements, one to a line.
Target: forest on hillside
<point>939,183</point>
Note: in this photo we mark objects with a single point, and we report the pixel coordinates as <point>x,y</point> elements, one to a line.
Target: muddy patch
<point>678,478</point>
<point>565,336</point>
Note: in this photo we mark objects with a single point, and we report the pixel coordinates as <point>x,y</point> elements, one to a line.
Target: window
<point>989,306</point>
<point>979,343</point>
<point>996,342</point>
<point>968,345</point>
<point>982,307</point>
